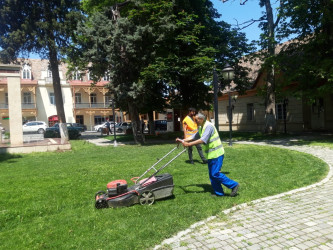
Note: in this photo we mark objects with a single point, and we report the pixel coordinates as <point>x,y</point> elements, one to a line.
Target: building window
<point>26,72</point>
<point>250,111</point>
<point>6,98</point>
<point>78,98</point>
<point>93,98</point>
<point>106,77</point>
<point>90,76</point>
<point>280,111</point>
<point>79,119</point>
<point>27,98</point>
<point>98,119</point>
<point>77,76</point>
<point>52,98</point>
<point>108,100</point>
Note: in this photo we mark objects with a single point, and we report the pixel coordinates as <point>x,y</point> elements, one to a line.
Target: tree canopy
<point>44,27</point>
<point>307,59</point>
<point>172,47</point>
<point>158,53</point>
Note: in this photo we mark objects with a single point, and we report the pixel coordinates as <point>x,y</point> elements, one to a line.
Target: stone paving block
<point>309,230</point>
<point>323,247</point>
<point>329,236</point>
<point>254,247</point>
<point>180,248</point>
<point>250,235</point>
<point>302,246</point>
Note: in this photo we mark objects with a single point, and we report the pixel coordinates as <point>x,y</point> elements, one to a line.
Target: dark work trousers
<point>217,177</point>
<point>190,150</point>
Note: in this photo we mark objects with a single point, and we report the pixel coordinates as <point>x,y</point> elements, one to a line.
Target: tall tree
<point>308,59</point>
<point>197,45</point>
<point>44,27</point>
<point>158,53</point>
<point>268,41</point>
<point>124,47</point>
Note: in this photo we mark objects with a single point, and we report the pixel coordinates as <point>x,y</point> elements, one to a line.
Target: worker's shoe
<point>234,191</point>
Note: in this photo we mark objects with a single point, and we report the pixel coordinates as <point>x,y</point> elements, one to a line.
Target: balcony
<point>24,105</point>
<point>92,105</point>
<point>3,105</point>
<point>28,105</point>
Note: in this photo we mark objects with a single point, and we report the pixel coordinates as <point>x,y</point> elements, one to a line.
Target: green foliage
<point>39,26</point>
<point>47,199</point>
<point>159,50</point>
<point>308,60</point>
<point>31,26</point>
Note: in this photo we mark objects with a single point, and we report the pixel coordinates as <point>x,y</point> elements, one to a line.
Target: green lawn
<point>323,140</point>
<point>47,199</point>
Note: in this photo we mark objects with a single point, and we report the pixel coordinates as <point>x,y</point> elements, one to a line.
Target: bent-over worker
<point>214,152</point>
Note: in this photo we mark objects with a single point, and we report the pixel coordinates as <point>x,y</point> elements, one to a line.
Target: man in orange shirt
<point>191,128</point>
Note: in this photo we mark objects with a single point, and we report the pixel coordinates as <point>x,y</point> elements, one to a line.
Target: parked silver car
<point>35,126</point>
<point>99,127</point>
<point>123,126</point>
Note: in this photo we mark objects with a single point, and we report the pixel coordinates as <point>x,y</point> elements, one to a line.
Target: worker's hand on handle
<point>185,144</point>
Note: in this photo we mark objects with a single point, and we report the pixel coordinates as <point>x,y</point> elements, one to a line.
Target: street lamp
<point>114,126</point>
<point>216,89</point>
<point>285,104</point>
<point>228,75</point>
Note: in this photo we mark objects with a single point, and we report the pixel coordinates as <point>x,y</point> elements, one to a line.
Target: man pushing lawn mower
<point>214,152</point>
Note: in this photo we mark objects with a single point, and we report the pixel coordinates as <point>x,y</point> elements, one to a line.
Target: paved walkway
<point>95,138</point>
<point>299,219</point>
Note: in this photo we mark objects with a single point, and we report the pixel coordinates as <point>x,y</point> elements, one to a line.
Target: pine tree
<point>44,27</point>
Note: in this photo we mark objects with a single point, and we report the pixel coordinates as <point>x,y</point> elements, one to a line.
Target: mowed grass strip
<point>47,199</point>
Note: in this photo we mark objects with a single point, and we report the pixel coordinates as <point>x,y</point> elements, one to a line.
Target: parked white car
<point>99,127</point>
<point>35,126</point>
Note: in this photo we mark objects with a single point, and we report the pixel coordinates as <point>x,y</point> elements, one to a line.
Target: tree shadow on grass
<point>9,157</point>
<point>196,188</point>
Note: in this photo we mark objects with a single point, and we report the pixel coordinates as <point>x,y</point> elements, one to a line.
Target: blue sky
<point>233,13</point>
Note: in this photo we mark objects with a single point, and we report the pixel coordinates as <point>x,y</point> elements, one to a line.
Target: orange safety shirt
<point>190,127</point>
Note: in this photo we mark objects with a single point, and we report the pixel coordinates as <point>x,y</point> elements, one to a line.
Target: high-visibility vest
<point>213,148</point>
<point>190,126</point>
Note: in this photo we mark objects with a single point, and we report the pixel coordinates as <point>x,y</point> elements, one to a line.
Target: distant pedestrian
<point>214,152</point>
<point>108,127</point>
<point>143,125</point>
<point>190,128</point>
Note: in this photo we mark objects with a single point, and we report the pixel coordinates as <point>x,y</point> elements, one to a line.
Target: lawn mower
<point>144,191</point>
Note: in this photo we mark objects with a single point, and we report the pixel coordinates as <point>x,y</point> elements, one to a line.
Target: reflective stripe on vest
<point>214,147</point>
<point>191,126</point>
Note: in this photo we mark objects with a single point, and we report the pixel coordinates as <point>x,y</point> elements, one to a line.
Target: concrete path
<point>299,219</point>
<point>95,138</point>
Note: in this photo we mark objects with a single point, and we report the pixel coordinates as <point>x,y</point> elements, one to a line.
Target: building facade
<point>292,114</point>
<point>83,103</point>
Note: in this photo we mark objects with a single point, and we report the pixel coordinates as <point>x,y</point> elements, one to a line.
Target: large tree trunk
<point>139,137</point>
<point>270,118</point>
<point>54,65</point>
<point>58,96</point>
<point>151,124</point>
